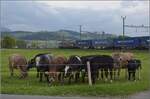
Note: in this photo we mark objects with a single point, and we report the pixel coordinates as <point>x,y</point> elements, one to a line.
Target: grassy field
<point>31,85</point>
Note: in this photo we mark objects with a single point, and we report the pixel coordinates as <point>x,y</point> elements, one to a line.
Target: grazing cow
<point>17,61</point>
<point>120,61</point>
<point>104,63</point>
<point>73,68</point>
<point>41,62</point>
<point>84,67</point>
<point>132,66</point>
<point>56,69</point>
<point>98,62</point>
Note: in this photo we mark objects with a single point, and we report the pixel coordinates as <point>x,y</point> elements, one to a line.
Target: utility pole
<point>133,26</point>
<point>123,31</point>
<point>123,18</point>
<point>80,31</point>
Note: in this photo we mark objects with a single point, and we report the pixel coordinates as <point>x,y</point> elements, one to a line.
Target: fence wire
<point>42,65</point>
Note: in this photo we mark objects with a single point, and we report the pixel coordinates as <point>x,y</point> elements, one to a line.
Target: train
<point>128,43</point>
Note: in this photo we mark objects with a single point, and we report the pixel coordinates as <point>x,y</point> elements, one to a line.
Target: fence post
<point>89,73</point>
<point>139,73</point>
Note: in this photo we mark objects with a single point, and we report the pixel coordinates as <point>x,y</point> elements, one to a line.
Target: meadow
<point>31,85</point>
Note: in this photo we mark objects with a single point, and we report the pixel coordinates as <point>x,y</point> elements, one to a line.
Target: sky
<point>94,16</point>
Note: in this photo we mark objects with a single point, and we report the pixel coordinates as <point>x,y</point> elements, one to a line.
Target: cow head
<point>31,64</point>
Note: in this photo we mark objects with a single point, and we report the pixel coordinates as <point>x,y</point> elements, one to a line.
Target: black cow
<point>84,67</point>
<point>73,66</point>
<point>41,62</point>
<point>132,66</point>
<point>102,62</point>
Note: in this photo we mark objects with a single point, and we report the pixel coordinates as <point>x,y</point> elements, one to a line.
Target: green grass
<point>31,85</point>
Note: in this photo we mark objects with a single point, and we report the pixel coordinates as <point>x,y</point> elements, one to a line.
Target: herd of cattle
<point>59,68</point>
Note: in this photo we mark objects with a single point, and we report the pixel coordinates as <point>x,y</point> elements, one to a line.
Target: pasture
<point>31,85</point>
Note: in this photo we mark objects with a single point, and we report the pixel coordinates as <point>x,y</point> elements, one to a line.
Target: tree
<point>34,45</point>
<point>21,44</point>
<point>8,42</point>
<point>121,37</point>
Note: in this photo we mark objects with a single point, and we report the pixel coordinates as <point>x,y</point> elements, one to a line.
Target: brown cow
<point>121,60</point>
<point>17,61</point>
<point>56,69</point>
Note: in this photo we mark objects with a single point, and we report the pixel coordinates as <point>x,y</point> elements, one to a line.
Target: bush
<point>21,44</point>
<point>8,42</point>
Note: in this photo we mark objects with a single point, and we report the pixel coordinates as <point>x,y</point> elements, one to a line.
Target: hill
<point>55,35</point>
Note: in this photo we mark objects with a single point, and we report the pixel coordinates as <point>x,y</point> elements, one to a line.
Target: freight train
<point>128,43</point>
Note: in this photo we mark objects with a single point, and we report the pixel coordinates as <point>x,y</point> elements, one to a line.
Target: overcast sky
<point>93,15</point>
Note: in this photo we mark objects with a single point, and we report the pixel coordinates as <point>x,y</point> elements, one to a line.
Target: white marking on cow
<point>83,70</point>
<point>78,58</point>
<point>66,69</point>
<point>37,61</point>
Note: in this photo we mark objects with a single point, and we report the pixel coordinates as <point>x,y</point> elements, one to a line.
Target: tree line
<point>11,42</point>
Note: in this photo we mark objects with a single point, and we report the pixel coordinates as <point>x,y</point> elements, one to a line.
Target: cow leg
<point>41,76</point>
<point>83,76</point>
<point>47,77</point>
<point>97,75</point>
<point>62,78</point>
<point>133,75</point>
<point>77,76</point>
<point>115,70</point>
<point>59,76</point>
<point>129,74</point>
<point>114,73</point>
<point>106,74</point>
<point>126,74</point>
<point>139,74</point>
<point>93,76</point>
<point>70,77</point>
<point>111,74</point>
<point>102,76</point>
<point>118,75</point>
<point>11,70</point>
<point>38,72</point>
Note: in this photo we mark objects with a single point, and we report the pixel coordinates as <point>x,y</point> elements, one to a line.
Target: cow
<point>56,69</point>
<point>103,63</point>
<point>84,67</point>
<point>41,62</point>
<point>132,66</point>
<point>17,61</point>
<point>73,68</point>
<point>120,61</point>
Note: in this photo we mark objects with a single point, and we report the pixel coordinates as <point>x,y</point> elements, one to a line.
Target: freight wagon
<point>102,44</point>
<point>84,44</point>
<point>145,42</point>
<point>128,43</point>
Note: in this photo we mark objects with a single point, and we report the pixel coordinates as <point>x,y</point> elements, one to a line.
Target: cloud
<point>54,15</point>
<point>95,5</point>
<point>135,7</point>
